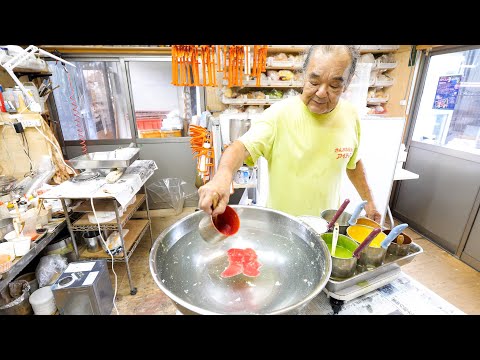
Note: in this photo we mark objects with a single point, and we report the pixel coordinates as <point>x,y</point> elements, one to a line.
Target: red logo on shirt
<point>344,153</point>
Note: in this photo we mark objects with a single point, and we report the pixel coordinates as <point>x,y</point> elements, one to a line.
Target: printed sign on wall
<point>447,91</point>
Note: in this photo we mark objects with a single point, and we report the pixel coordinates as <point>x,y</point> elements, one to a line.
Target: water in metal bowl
<point>295,262</point>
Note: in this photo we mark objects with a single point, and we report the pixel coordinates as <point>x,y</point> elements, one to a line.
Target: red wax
<point>227,223</point>
<point>241,261</point>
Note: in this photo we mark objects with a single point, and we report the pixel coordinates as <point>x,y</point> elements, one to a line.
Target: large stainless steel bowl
<point>296,265</point>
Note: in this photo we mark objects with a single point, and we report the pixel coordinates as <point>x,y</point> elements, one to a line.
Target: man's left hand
<point>372,213</point>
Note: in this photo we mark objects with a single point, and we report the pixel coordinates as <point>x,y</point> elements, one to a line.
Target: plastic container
<point>21,245</point>
<point>6,262</point>
<point>2,101</point>
<point>149,124</point>
<point>170,133</point>
<point>146,134</point>
<point>43,302</point>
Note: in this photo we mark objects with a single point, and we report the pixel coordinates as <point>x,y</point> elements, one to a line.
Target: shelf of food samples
<point>287,48</point>
<point>246,101</point>
<point>376,101</point>
<point>384,66</point>
<point>376,49</point>
<point>259,97</point>
<point>269,83</point>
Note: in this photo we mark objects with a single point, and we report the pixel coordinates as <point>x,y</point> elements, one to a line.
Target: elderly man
<point>309,142</point>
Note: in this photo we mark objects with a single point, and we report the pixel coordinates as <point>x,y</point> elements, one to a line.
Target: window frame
<point>417,93</point>
<point>123,61</point>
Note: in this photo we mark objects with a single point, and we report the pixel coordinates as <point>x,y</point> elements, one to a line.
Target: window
<point>161,109</point>
<point>449,112</point>
<point>100,111</point>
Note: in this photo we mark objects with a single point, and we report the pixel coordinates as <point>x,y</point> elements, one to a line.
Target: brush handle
<point>356,213</point>
<point>366,242</point>
<point>335,238</point>
<point>393,234</point>
<point>337,214</point>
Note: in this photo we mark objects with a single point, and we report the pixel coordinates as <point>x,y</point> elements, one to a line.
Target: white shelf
<point>244,186</point>
<point>270,83</point>
<point>283,65</point>
<point>376,101</point>
<point>384,66</point>
<point>402,174</point>
<point>375,49</point>
<point>382,83</point>
<point>244,101</point>
<point>287,48</point>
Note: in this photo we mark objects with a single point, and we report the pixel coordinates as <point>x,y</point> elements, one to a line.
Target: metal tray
<point>390,262</point>
<point>120,158</point>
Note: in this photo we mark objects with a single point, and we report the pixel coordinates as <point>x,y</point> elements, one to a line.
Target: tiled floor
<point>442,273</point>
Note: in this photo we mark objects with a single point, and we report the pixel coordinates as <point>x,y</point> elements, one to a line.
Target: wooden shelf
<point>287,48</point>
<point>102,49</point>
<point>104,205</point>
<point>279,67</point>
<point>244,186</point>
<point>242,101</point>
<point>270,84</point>
<point>137,229</point>
<point>378,50</point>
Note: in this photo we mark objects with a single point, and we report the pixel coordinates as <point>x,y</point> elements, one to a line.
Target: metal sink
<point>120,158</point>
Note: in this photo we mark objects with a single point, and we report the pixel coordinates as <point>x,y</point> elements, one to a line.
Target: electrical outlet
<point>30,123</point>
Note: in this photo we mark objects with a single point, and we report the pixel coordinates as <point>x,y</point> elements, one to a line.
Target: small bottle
<point>2,102</point>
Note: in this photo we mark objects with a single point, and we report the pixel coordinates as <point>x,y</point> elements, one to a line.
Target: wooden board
<point>136,228</point>
<point>103,204</point>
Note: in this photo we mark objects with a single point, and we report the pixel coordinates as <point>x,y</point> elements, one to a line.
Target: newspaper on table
<point>123,190</point>
<point>403,296</point>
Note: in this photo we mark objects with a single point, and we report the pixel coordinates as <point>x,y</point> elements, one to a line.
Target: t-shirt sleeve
<point>259,139</point>
<point>352,163</point>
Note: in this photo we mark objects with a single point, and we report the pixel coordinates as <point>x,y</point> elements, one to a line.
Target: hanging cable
<point>76,114</point>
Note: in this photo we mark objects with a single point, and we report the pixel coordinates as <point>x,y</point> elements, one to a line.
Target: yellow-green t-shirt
<point>307,154</point>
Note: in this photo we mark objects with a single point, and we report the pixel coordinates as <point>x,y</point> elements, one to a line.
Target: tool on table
<point>356,212</point>
<point>335,238</point>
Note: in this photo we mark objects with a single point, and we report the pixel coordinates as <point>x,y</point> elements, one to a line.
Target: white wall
<point>152,88</point>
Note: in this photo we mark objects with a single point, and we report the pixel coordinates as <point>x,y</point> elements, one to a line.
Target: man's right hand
<point>210,190</point>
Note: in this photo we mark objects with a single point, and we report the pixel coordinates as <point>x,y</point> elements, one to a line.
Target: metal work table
<point>36,248</point>
<point>137,228</point>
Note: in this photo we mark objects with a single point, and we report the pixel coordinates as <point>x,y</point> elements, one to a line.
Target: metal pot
<point>19,306</point>
<point>31,277</point>
<point>342,267</point>
<point>238,127</point>
<point>342,219</point>
<point>6,226</point>
<point>62,247</point>
<point>296,265</point>
<point>92,240</point>
<point>368,222</point>
<point>396,249</point>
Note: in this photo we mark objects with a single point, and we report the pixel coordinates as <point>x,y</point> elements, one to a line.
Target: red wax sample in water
<point>242,261</point>
<point>227,223</point>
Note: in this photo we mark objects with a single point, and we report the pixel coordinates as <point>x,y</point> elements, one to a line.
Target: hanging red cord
<point>76,115</point>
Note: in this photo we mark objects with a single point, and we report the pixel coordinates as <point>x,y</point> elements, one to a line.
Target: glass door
<point>450,103</point>
<point>444,149</point>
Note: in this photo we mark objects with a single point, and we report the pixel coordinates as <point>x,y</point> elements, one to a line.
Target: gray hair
<point>352,50</point>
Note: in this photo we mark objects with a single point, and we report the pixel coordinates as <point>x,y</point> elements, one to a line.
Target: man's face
<point>325,81</point>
